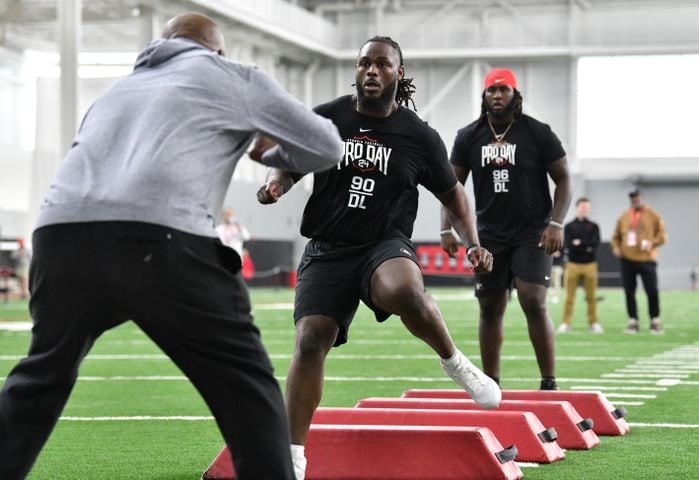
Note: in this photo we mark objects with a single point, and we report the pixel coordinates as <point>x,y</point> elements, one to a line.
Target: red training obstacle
<point>523,429</point>
<point>573,431</point>
<point>396,452</point>
<point>607,419</point>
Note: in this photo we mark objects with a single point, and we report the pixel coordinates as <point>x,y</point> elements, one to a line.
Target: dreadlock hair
<point>516,105</point>
<point>405,90</point>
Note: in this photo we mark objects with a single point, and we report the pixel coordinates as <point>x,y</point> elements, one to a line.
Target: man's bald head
<point>197,27</point>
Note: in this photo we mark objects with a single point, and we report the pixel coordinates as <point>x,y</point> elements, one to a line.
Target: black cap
<point>634,192</point>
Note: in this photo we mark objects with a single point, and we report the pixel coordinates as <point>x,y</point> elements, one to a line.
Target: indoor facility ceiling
<point>121,25</point>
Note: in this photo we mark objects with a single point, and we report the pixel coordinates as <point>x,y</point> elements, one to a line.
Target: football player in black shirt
<point>510,156</point>
<point>359,219</point>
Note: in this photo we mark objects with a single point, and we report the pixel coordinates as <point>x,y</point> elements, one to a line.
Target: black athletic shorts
<point>524,260</point>
<point>331,279</point>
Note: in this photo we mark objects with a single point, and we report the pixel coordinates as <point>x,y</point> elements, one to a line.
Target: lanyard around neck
<point>635,217</point>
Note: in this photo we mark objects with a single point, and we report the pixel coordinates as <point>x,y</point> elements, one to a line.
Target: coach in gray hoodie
<point>126,232</point>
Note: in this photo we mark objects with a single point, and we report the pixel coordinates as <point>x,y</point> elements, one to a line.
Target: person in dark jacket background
<point>581,239</point>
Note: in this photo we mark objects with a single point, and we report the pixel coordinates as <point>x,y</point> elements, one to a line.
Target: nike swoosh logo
<point>546,277</point>
<point>362,130</point>
<point>403,250</point>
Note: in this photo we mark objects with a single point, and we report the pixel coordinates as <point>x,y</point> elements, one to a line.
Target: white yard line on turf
<point>16,326</point>
<point>138,418</point>
<point>119,378</point>
<point>629,395</point>
<point>644,375</point>
<point>632,404</point>
<point>273,306</point>
<point>675,369</point>
<point>661,372</point>
<point>618,387</point>
<point>335,356</point>
<point>526,464</point>
<point>663,425</point>
<point>194,418</point>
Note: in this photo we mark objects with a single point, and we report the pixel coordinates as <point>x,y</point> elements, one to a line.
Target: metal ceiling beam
<point>436,15</point>
<point>523,53</point>
<point>523,19</point>
<point>261,25</point>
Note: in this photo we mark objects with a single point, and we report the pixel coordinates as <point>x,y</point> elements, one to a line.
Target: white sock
<point>453,361</point>
<point>298,451</point>
<point>298,458</point>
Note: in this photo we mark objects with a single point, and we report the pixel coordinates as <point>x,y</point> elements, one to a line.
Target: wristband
<point>445,231</point>
<point>470,248</point>
<point>556,225</point>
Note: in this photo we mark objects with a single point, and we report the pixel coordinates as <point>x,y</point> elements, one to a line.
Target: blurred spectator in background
<point>234,235</point>
<point>557,276</point>
<point>21,258</point>
<point>639,232</point>
<point>581,239</point>
<point>231,232</point>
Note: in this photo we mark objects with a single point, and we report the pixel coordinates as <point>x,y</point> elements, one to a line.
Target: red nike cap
<point>500,76</point>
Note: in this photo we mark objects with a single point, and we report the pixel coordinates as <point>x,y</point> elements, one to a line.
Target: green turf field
<point>133,416</point>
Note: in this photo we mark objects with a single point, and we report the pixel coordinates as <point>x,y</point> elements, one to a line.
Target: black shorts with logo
<point>524,260</point>
<point>332,279</point>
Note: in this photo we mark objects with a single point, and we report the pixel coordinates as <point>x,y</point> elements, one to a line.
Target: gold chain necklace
<point>500,138</point>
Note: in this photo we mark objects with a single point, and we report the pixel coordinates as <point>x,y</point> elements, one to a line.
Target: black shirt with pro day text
<point>373,190</point>
<point>510,178</point>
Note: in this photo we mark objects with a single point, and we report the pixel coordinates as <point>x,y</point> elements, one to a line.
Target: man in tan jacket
<point>639,232</point>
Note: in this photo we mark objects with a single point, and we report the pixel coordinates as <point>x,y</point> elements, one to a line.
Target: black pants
<point>649,277</point>
<point>185,292</point>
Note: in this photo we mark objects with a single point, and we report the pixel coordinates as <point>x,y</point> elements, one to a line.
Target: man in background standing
<point>231,232</point>
<point>22,258</point>
<point>639,232</point>
<point>581,239</point>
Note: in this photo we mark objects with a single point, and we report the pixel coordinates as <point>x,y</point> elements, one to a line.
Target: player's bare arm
<point>450,243</point>
<point>552,236</point>
<point>456,208</point>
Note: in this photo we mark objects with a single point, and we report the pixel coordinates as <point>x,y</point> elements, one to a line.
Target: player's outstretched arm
<point>307,142</point>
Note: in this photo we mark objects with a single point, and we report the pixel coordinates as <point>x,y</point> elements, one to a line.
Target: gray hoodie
<point>160,146</point>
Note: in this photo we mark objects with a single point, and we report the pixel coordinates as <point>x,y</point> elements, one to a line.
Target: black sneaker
<point>548,384</point>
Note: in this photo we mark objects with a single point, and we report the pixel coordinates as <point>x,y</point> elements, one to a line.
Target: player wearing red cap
<point>511,155</point>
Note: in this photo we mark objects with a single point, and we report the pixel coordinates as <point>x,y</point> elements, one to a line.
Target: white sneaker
<point>632,327</point>
<point>596,328</point>
<point>483,389</point>
<point>564,328</point>
<point>298,458</point>
<point>655,327</point>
